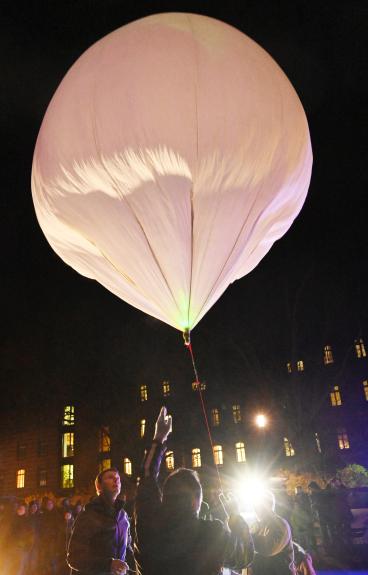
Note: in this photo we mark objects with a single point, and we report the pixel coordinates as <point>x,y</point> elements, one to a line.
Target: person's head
<point>313,487</point>
<point>66,502</point>
<point>21,508</point>
<point>33,507</point>
<point>182,492</point>
<point>49,504</point>
<point>68,516</point>
<point>266,505</point>
<point>78,508</point>
<point>108,483</point>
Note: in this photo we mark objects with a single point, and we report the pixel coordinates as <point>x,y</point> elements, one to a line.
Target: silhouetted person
<point>170,537</point>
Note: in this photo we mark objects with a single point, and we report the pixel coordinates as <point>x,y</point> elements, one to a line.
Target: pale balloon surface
<point>172,156</point>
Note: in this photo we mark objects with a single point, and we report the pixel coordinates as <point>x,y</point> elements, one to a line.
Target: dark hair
<point>179,489</point>
<point>99,477</point>
<point>314,485</point>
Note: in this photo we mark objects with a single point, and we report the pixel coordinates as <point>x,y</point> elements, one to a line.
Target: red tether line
<point>189,346</point>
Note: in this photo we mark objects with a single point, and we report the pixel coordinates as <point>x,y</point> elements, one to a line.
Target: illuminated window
<point>144,393</point>
<point>67,476</point>
<point>195,386</point>
<point>240,452</point>
<point>166,388</point>
<point>21,451</point>
<point>360,348</point>
<point>335,396</point>
<point>21,477</point>
<point>342,439</point>
<point>143,427</point>
<point>104,464</point>
<point>170,464</point>
<point>104,440</point>
<point>127,466</point>
<point>218,455</point>
<point>365,388</point>
<point>69,418</point>
<point>289,449</point>
<point>42,477</point>
<point>196,457</point>
<point>300,365</point>
<point>327,355</point>
<point>237,414</point>
<point>318,443</point>
<point>215,415</point>
<point>288,367</point>
<point>68,444</point>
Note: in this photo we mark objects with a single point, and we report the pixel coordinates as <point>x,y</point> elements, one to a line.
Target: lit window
<point>218,455</point>
<point>365,388</point>
<point>42,477</point>
<point>240,452</point>
<point>67,476</point>
<point>360,348</point>
<point>215,415</point>
<point>21,451</point>
<point>144,393</point>
<point>105,441</point>
<point>288,367</point>
<point>327,355</point>
<point>21,477</point>
<point>300,365</point>
<point>342,439</point>
<point>196,457</point>
<point>143,427</point>
<point>69,415</point>
<point>318,443</point>
<point>237,414</point>
<point>289,449</point>
<point>195,386</point>
<point>127,466</point>
<point>68,444</point>
<point>170,464</point>
<point>335,396</point>
<point>104,464</point>
<point>166,388</point>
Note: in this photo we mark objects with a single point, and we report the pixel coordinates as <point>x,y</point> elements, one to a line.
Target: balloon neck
<point>186,337</point>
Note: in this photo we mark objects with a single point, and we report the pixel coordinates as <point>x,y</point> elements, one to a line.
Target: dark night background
<point>64,334</point>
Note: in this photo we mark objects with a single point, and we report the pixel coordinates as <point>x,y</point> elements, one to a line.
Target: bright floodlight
<point>251,492</point>
<point>261,420</point>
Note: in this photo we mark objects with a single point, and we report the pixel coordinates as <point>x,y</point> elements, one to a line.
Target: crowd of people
<point>34,536</point>
<point>170,529</point>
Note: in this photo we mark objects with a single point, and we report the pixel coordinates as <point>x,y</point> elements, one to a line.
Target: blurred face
<point>49,505</point>
<point>67,516</point>
<point>78,509</point>
<point>33,509</point>
<point>110,484</point>
<point>21,510</point>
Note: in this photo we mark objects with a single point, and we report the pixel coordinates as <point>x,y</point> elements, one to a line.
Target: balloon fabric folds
<point>172,156</point>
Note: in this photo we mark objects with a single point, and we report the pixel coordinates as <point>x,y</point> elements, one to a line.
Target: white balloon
<point>172,156</point>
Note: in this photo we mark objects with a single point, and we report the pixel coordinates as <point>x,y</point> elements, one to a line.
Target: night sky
<point>64,334</point>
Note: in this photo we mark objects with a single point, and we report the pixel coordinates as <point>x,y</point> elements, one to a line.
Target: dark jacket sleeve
<point>239,551</point>
<point>81,556</point>
<point>148,499</point>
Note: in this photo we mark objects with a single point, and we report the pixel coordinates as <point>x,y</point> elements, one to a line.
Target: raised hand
<point>163,426</point>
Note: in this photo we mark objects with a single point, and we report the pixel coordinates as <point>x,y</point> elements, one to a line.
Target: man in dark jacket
<point>170,537</point>
<point>100,536</point>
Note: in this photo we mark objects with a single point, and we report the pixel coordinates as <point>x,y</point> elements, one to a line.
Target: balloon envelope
<point>172,156</point>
